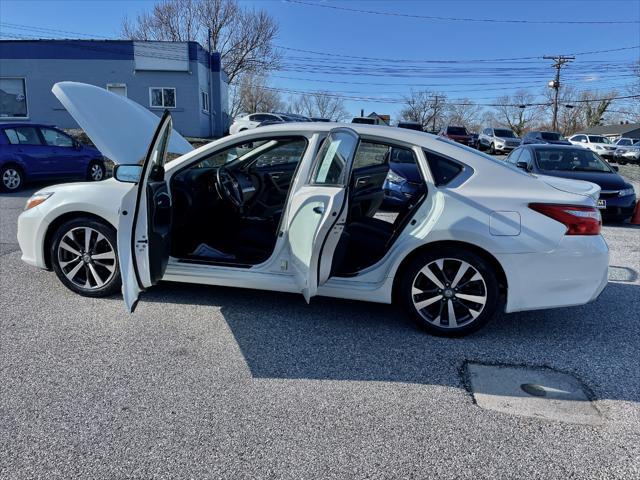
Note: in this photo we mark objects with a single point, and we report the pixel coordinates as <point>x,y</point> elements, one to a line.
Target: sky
<point>401,49</point>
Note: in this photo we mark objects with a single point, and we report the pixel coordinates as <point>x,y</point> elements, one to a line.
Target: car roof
<point>536,146</point>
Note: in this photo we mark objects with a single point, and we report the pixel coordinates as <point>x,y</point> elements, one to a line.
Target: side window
<point>55,138</point>
<point>284,153</point>
<point>23,136</point>
<point>369,154</point>
<point>332,161</point>
<point>513,156</point>
<point>442,169</point>
<point>525,156</point>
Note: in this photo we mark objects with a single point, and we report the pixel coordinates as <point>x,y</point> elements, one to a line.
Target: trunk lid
<point>119,127</point>
<point>576,187</point>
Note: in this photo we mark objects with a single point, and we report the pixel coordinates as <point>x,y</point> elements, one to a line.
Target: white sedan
<point>294,208</point>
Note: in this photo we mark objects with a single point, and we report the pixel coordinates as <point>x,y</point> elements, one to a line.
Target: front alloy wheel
<point>85,259</point>
<point>451,292</point>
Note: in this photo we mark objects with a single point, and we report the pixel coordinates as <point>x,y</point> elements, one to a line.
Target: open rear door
<point>144,227</point>
<point>318,211</point>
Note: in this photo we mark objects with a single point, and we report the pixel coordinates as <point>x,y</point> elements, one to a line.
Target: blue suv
<point>40,152</point>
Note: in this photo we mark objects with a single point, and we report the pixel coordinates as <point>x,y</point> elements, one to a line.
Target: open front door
<point>144,227</point>
<point>318,211</point>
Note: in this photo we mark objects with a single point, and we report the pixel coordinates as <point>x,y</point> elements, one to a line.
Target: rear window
<point>442,169</point>
<point>550,136</point>
<point>504,133</point>
<point>457,131</point>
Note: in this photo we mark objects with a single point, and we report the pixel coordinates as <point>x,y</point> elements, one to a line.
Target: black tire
<point>492,149</point>
<point>465,312</point>
<point>102,241</point>
<point>11,178</point>
<point>96,171</point>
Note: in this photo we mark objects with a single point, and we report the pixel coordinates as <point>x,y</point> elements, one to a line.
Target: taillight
<point>579,220</point>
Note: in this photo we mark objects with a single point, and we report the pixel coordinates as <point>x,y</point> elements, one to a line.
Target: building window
<point>118,89</point>
<point>13,98</point>
<point>205,101</point>
<point>162,97</point>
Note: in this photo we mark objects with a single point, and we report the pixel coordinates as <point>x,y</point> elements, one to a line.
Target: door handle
<point>362,180</point>
<point>319,210</point>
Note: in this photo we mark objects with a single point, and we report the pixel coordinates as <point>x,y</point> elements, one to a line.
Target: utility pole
<point>559,61</point>
<point>435,112</point>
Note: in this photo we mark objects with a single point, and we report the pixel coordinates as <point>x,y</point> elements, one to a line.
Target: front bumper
<point>619,208</point>
<point>32,228</point>
<point>574,273</point>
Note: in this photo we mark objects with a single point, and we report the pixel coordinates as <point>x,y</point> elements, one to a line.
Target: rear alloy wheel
<point>85,258</point>
<point>11,178</point>
<point>450,292</point>
<point>96,171</point>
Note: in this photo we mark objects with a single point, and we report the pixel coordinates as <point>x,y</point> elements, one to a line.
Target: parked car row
<point>30,151</point>
<point>254,120</point>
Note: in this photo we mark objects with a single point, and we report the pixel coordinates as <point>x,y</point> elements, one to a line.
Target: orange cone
<point>635,220</point>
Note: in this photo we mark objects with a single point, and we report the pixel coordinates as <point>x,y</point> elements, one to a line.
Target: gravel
<point>208,382</point>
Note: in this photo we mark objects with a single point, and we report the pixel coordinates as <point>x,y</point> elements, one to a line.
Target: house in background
<point>380,119</point>
<point>179,76</point>
<point>613,132</point>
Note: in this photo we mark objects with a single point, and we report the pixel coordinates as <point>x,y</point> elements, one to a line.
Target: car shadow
<point>282,337</point>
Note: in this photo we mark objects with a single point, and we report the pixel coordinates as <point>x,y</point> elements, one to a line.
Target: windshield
<point>457,131</point>
<point>550,136</point>
<point>504,133</point>
<point>570,160</point>
<point>598,139</point>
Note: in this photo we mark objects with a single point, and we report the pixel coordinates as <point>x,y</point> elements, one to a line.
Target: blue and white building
<point>179,76</point>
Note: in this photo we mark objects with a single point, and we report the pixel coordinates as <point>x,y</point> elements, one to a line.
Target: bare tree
<point>320,104</point>
<point>425,107</point>
<point>243,37</point>
<point>595,106</point>
<point>464,113</point>
<point>254,95</point>
<point>516,112</point>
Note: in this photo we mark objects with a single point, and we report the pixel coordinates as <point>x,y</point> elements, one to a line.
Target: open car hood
<point>577,187</point>
<point>120,128</point>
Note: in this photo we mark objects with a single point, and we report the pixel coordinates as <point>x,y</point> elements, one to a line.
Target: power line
<point>538,57</point>
<point>459,19</point>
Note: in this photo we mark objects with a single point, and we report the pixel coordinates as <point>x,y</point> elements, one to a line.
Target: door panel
<point>145,222</point>
<point>318,210</point>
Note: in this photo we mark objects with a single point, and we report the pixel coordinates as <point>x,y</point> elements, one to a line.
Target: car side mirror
<point>127,173</point>
<point>615,167</point>
<point>522,165</point>
<point>76,144</point>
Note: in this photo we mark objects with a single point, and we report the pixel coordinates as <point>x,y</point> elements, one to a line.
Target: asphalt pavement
<point>209,382</point>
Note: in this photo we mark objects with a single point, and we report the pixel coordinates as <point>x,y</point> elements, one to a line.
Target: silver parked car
<point>498,140</point>
<point>627,151</point>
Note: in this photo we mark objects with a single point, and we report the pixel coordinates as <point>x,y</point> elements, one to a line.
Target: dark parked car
<point>404,182</point>
<point>411,126</point>
<point>617,197</point>
<point>37,152</point>
<point>458,134</point>
<point>548,138</point>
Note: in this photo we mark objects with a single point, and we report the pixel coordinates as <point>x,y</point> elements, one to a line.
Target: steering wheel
<point>229,188</point>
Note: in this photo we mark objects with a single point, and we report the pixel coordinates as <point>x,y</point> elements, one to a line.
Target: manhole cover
<point>532,392</point>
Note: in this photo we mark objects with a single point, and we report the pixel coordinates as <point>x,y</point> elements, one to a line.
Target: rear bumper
<point>574,273</point>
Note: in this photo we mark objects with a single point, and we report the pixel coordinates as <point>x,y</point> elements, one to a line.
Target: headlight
<point>626,191</point>
<point>37,199</point>
<point>395,178</point>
